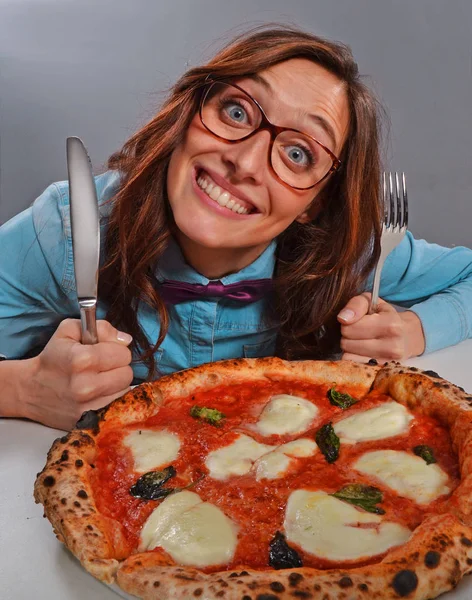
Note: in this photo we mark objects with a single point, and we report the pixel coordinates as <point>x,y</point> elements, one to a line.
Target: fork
<point>394,226</point>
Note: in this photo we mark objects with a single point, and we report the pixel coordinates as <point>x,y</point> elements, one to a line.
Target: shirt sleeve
<point>36,273</point>
<point>435,283</point>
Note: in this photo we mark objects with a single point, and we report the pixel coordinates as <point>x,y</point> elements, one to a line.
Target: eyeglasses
<point>298,159</point>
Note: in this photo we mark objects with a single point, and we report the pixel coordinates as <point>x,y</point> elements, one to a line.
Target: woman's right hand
<point>69,378</point>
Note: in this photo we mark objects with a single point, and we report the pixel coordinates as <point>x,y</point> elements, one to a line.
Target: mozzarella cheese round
<point>384,421</point>
<point>276,463</point>
<point>286,414</point>
<point>193,532</point>
<point>235,459</point>
<point>405,473</point>
<point>332,529</point>
<point>152,448</point>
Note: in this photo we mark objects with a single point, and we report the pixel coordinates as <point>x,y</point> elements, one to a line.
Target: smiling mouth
<point>221,196</point>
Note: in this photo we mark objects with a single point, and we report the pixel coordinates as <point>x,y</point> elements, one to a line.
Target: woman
<point>263,165</point>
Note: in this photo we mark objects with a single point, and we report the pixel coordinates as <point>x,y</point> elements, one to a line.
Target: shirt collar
<point>172,265</point>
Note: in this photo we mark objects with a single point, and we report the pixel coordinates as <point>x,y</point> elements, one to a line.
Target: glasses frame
<point>274,130</point>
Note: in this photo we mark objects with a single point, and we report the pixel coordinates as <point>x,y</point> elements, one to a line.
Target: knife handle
<point>88,321</point>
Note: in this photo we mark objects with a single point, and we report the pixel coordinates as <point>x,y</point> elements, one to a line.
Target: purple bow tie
<point>174,292</point>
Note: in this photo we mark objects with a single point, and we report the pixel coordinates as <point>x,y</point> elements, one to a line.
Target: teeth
<point>218,195</point>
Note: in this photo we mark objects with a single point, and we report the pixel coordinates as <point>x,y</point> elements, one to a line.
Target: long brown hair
<point>320,265</point>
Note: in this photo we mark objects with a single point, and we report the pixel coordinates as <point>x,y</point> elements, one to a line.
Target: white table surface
<point>34,565</point>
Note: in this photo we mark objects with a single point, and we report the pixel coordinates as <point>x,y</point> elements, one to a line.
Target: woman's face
<point>296,94</point>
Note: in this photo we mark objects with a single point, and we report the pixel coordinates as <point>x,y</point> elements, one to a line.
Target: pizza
<point>263,479</point>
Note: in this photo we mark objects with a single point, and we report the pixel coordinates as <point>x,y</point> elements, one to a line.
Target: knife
<point>85,224</point>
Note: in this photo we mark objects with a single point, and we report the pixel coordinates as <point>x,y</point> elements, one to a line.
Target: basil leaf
<point>149,485</point>
<point>281,555</point>
<point>342,400</point>
<point>426,453</point>
<point>209,415</point>
<point>328,442</point>
<point>364,496</point>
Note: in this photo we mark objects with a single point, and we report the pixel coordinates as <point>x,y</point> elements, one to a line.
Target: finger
<point>97,358</point>
<point>355,309</point>
<point>358,307</point>
<point>71,328</point>
<point>108,333</point>
<point>384,324</point>
<point>85,388</point>
<point>103,401</point>
<point>386,347</point>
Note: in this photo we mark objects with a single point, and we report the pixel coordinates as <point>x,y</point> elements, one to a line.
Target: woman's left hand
<point>384,335</point>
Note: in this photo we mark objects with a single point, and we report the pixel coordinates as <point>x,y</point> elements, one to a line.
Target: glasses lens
<point>299,160</point>
<point>229,113</point>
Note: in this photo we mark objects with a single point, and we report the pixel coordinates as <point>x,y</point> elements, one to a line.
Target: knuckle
<point>81,359</point>
<point>395,328</point>
<point>396,352</point>
<point>81,391</point>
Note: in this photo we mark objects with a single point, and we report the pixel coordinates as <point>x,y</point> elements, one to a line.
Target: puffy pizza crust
<point>435,558</point>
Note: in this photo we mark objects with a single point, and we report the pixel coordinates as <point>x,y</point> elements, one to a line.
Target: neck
<point>215,263</point>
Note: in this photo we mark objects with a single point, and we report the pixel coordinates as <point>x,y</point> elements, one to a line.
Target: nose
<point>248,158</point>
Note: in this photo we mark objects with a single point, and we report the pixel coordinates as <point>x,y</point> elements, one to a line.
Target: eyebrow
<point>318,119</point>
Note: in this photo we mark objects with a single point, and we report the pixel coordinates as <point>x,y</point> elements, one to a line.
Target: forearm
<point>16,378</point>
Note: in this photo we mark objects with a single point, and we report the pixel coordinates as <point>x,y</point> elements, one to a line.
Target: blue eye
<point>236,113</point>
<point>299,156</point>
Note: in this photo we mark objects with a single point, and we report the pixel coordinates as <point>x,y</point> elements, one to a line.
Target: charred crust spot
<point>64,439</point>
<point>220,594</point>
<point>276,586</point>
<point>432,559</point>
<point>49,481</point>
<point>79,463</point>
<point>373,362</point>
<point>264,597</point>
<point>345,582</point>
<point>198,592</point>
<point>139,563</point>
<point>469,398</point>
<point>248,598</point>
<point>89,420</point>
<point>405,582</point>
<point>90,527</point>
<point>294,579</point>
<point>64,456</point>
<point>76,443</point>
<point>63,501</point>
<point>414,369</point>
<point>363,587</point>
<point>82,494</point>
<point>432,374</point>
<point>301,594</point>
<point>183,576</point>
<point>317,587</point>
<point>469,561</point>
<point>460,388</point>
<point>222,583</point>
<point>253,585</point>
<point>234,575</point>
<point>76,503</point>
<point>243,574</point>
<point>466,542</point>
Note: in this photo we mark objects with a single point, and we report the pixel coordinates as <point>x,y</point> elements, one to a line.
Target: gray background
<point>96,69</point>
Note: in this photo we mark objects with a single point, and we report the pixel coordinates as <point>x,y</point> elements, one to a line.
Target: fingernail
<point>347,314</point>
<point>124,337</point>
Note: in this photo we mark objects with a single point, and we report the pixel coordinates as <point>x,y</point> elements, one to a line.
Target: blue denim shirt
<point>37,290</point>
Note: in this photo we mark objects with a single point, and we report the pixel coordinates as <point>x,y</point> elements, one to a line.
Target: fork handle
<point>374,302</point>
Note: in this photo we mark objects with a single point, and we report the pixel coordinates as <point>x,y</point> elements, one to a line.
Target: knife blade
<point>85,226</point>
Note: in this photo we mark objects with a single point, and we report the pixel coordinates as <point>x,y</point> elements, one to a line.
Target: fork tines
<point>395,200</point>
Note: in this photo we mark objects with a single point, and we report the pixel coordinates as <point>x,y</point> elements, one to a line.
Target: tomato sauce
<point>258,507</point>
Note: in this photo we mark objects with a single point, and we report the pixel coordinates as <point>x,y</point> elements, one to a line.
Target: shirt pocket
<point>265,347</point>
